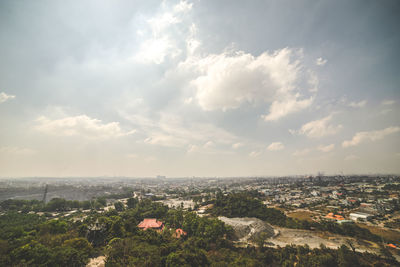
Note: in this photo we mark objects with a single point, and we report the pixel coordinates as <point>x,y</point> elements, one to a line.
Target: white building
<point>360,216</point>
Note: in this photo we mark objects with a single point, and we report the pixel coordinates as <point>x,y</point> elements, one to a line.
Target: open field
<point>301,215</point>
<point>388,234</point>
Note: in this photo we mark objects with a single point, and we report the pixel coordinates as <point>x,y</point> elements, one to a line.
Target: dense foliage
<point>245,205</point>
<point>55,204</point>
<point>29,240</point>
<point>32,240</point>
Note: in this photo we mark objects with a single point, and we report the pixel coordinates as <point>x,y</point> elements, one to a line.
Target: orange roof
<point>179,231</point>
<point>334,217</point>
<point>150,223</point>
<point>391,245</point>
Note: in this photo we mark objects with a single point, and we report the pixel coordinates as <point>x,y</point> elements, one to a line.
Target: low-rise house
<point>360,216</point>
<point>151,223</point>
<point>334,217</point>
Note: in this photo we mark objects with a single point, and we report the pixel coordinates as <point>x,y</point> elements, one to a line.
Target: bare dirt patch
<point>97,262</point>
<point>247,229</point>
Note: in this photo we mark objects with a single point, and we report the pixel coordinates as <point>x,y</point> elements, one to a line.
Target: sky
<point>199,88</point>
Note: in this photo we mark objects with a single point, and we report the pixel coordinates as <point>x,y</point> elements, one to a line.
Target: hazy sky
<point>199,88</point>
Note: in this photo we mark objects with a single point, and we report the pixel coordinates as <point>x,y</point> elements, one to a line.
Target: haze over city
<point>199,88</point>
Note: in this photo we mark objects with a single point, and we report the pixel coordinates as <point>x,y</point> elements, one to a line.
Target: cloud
<point>358,104</point>
<point>280,109</point>
<point>233,78</point>
<point>81,125</point>
<point>326,148</point>
<point>301,152</point>
<point>313,81</point>
<point>208,148</point>
<point>193,149</point>
<point>275,146</point>
<point>318,128</point>
<point>237,145</point>
<point>162,41</point>
<point>254,154</point>
<point>361,137</point>
<point>172,130</point>
<point>4,97</point>
<point>209,144</point>
<point>320,61</point>
<point>165,140</point>
<point>388,102</point>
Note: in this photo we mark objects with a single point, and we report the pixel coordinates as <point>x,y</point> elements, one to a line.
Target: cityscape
<point>185,133</point>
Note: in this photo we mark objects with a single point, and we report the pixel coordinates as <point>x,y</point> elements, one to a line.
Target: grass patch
<point>301,215</point>
<point>388,235</point>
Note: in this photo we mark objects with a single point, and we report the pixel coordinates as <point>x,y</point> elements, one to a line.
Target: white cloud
<point>81,125</point>
<point>358,104</point>
<point>8,150</point>
<point>209,144</point>
<point>326,148</point>
<point>254,154</point>
<point>280,109</point>
<point>4,97</point>
<point>183,6</point>
<point>207,148</point>
<point>301,152</point>
<point>155,50</point>
<point>171,130</point>
<point>318,128</point>
<point>351,157</point>
<point>237,145</point>
<point>388,102</point>
<point>193,149</point>
<point>165,140</point>
<point>320,61</point>
<point>361,137</point>
<point>230,79</point>
<point>188,100</point>
<point>275,146</point>
<point>313,81</point>
<point>162,42</point>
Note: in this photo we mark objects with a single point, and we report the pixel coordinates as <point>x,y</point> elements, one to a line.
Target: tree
<point>119,206</point>
<point>132,202</point>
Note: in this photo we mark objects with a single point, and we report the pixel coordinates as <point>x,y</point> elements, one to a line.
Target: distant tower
<point>45,194</point>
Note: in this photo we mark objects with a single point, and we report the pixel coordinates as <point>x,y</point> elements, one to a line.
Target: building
<point>360,216</point>
<point>334,217</point>
<point>151,224</point>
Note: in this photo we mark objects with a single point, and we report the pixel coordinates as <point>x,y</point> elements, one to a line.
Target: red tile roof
<point>150,223</point>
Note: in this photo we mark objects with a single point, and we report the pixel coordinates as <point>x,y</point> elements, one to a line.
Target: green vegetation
<point>32,240</point>
<point>55,204</point>
<point>245,205</point>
